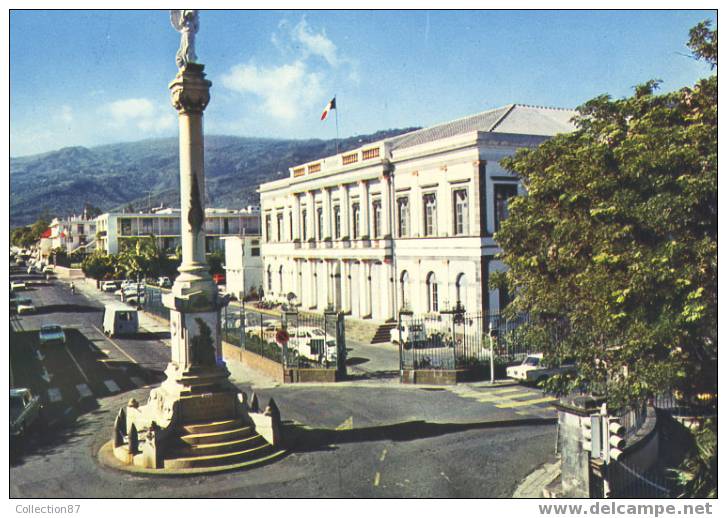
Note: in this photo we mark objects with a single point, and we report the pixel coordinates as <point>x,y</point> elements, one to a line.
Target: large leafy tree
<point>614,248</point>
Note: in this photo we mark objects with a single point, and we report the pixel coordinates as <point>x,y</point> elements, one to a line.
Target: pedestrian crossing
<point>511,397</point>
<point>83,391</point>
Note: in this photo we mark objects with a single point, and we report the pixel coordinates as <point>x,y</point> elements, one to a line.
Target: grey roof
<point>514,118</point>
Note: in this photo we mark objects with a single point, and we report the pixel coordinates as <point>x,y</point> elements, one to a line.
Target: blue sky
<point>95,77</point>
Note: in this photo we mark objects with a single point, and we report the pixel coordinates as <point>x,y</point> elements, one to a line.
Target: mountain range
<point>146,173</point>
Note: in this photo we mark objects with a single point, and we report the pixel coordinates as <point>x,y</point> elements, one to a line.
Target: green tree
<point>98,265</point>
<point>614,248</point>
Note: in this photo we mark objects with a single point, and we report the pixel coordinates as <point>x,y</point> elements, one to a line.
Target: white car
<point>48,269</point>
<point>24,306</point>
<point>17,285</point>
<point>24,410</point>
<point>531,369</point>
<point>410,333</point>
<point>109,286</point>
<point>51,333</point>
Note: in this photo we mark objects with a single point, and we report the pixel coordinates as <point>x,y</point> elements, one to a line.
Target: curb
<point>534,485</point>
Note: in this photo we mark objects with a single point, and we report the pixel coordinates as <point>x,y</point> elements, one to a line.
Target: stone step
<point>196,450</point>
<point>383,333</point>
<point>212,426</point>
<point>219,459</point>
<point>221,436</point>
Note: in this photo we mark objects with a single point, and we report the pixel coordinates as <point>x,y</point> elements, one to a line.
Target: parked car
<point>24,410</point>
<point>410,334</point>
<point>48,269</point>
<point>24,306</point>
<point>310,342</point>
<point>532,370</point>
<point>164,282</point>
<point>51,333</point>
<point>17,285</point>
<point>110,286</point>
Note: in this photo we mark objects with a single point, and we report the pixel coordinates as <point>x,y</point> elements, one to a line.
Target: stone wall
<point>442,377</point>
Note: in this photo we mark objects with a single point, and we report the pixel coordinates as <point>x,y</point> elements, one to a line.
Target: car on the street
<point>310,342</point>
<point>18,285</point>
<point>51,333</point>
<point>411,334</point>
<point>24,410</point>
<point>48,269</point>
<point>164,282</point>
<point>120,320</point>
<point>24,306</point>
<point>109,286</point>
<point>532,369</point>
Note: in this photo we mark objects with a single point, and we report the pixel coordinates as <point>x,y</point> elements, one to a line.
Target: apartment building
<point>113,228</point>
<point>73,233</point>
<point>243,266</point>
<point>404,223</point>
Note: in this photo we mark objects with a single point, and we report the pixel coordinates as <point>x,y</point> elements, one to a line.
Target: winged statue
<point>186,22</point>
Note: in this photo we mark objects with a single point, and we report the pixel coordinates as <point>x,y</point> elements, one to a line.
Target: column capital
<point>190,90</point>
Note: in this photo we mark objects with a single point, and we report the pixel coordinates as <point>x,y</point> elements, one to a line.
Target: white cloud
<point>285,90</point>
<point>141,114</point>
<point>317,44</point>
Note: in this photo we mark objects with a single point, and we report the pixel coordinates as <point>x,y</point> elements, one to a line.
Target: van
<point>120,320</point>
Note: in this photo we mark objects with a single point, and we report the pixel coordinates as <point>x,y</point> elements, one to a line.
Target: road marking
<point>39,355</point>
<point>77,364</point>
<point>383,455</point>
<point>377,479</point>
<point>346,425</point>
<point>138,381</point>
<point>46,375</point>
<point>105,352</point>
<point>112,386</point>
<point>84,391</point>
<point>505,390</point>
<point>517,404</point>
<point>115,345</point>
<point>54,395</point>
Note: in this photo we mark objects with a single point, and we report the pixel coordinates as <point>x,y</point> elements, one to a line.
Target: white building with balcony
<point>243,266</point>
<point>113,228</point>
<point>403,223</point>
<point>74,233</point>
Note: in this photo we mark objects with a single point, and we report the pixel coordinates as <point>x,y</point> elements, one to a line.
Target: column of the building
<point>391,285</point>
<point>361,295</point>
<point>386,224</point>
<point>326,213</point>
<point>296,217</point>
<point>345,286</point>
<point>311,214</point>
<point>345,211</point>
<point>364,200</point>
<point>329,281</point>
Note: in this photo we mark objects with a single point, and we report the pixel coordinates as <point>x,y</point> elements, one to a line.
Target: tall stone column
<point>326,231</point>
<point>365,202</point>
<point>296,217</point>
<point>386,207</point>
<point>345,211</point>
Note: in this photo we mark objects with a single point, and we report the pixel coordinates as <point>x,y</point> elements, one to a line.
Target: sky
<point>87,78</point>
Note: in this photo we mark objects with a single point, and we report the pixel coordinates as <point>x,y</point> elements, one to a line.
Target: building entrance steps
<point>383,333</point>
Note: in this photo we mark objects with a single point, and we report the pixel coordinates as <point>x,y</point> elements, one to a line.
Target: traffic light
<point>591,428</point>
<point>616,439</point>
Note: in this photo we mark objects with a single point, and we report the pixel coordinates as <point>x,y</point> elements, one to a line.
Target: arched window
<point>432,293</point>
<point>270,279</point>
<point>404,290</point>
<point>460,287</point>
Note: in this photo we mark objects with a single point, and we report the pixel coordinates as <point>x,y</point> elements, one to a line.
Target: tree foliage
<point>614,248</point>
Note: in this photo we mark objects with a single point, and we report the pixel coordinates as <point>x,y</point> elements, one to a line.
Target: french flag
<point>330,106</point>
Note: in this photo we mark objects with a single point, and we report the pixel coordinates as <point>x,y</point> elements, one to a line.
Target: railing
<point>458,340</point>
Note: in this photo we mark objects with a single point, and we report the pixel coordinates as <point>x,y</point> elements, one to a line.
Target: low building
<point>113,228</point>
<point>403,223</point>
<point>243,266</point>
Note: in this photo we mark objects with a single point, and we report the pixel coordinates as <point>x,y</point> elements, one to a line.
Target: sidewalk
<point>535,485</point>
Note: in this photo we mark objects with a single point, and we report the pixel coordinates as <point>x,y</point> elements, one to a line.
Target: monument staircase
<point>217,443</point>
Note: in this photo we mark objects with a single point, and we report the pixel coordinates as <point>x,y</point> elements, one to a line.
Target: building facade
<point>73,233</point>
<point>113,228</point>
<point>404,223</point>
<point>243,266</point>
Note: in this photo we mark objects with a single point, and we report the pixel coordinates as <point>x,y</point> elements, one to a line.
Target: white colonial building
<point>403,223</point>
<point>73,233</point>
<point>164,224</point>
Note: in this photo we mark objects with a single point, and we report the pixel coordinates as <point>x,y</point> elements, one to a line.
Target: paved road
<point>357,439</point>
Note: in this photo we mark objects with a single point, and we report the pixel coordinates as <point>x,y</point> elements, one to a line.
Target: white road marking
<point>78,365</point>
<point>112,386</point>
<point>84,391</point>
<point>116,345</point>
<point>54,395</point>
<point>377,479</point>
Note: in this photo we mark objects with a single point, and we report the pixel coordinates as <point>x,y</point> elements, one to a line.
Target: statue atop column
<point>185,21</point>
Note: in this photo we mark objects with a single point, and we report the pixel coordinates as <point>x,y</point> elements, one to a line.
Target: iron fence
<point>458,340</point>
<point>630,481</point>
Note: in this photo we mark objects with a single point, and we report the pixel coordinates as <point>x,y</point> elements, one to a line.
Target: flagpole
<point>336,124</point>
